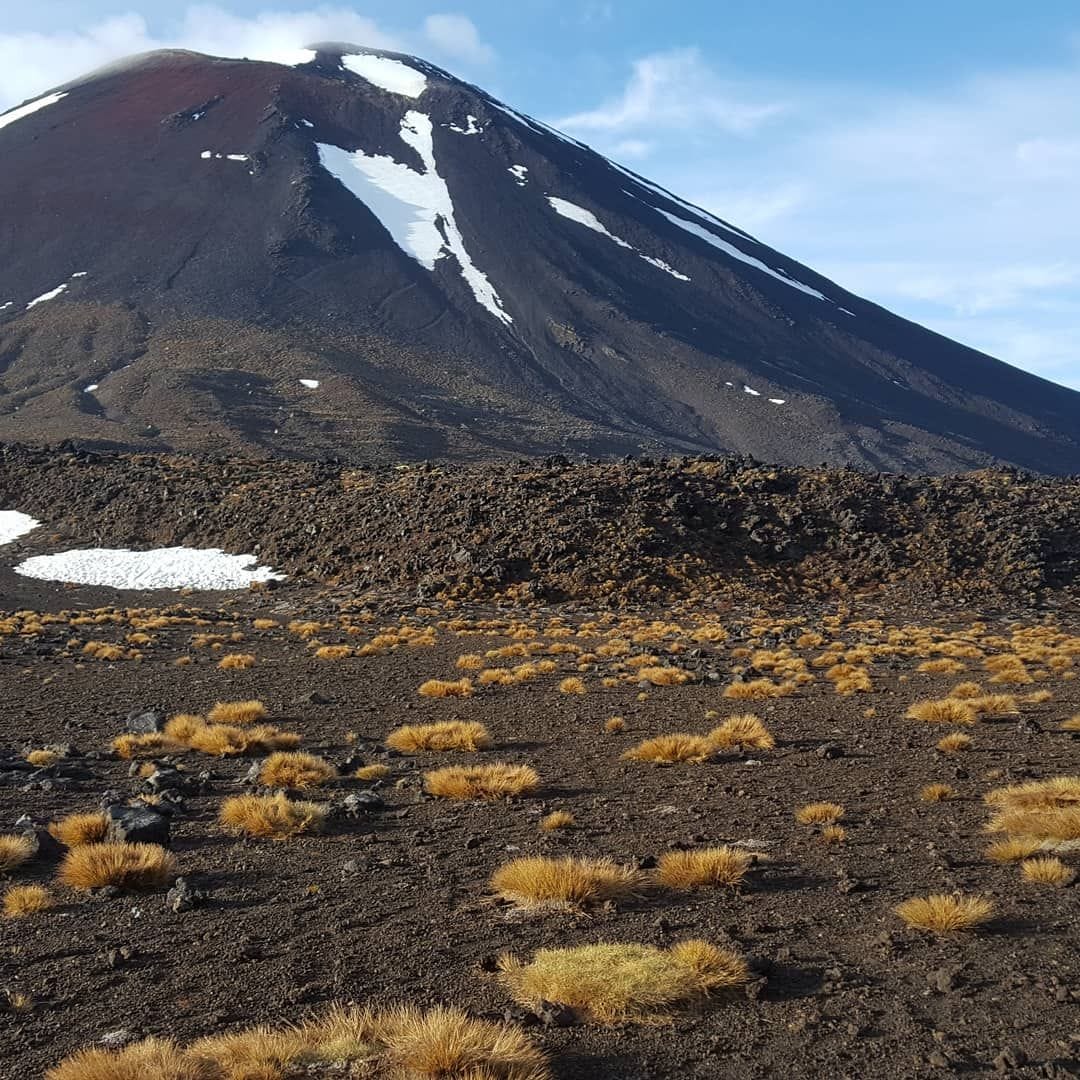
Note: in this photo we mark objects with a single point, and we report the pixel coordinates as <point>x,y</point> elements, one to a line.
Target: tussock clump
<point>943,711</point>
<point>295,770</point>
<point>942,913</point>
<point>994,705</point>
<point>148,745</point>
<point>1060,824</point>
<point>668,749</point>
<point>955,742</point>
<point>469,662</point>
<point>572,685</point>
<point>614,724</point>
<point>833,834</point>
<point>224,740</point>
<point>42,759</point>
<point>444,688</point>
<point>448,735</point>
<point>755,690</point>
<point>557,819</point>
<point>819,813</point>
<point>23,900</point>
<point>944,666</point>
<point>746,730</point>
<point>966,690</point>
<point>936,793</point>
<point>1014,850</point>
<point>1037,794</point>
<point>372,772</point>
<point>14,851</point>
<point>239,713</point>
<point>333,652</point>
<point>664,676</point>
<point>273,817</point>
<point>132,867</point>
<point>1072,724</point>
<point>703,868</point>
<point>610,982</point>
<point>566,883</point>
<point>78,829</point>
<point>151,1059</point>
<point>1047,870</point>
<point>488,783</point>
<point>236,661</point>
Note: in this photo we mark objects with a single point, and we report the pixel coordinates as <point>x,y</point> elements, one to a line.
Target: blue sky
<point>924,155</point>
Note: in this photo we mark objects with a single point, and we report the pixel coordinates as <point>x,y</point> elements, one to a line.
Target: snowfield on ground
<point>31,107</point>
<point>162,568</point>
<point>414,207</point>
<point>390,75</point>
<point>14,523</point>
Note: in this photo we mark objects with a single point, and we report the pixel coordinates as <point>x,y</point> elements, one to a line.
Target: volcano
<point>358,256</point>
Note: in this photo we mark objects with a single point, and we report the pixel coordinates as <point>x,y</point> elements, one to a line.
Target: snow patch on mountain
<point>31,107</point>
<point>414,207</point>
<point>310,384</point>
<point>391,75</point>
<point>473,128</point>
<point>14,523</point>
<point>520,173</point>
<point>50,295</point>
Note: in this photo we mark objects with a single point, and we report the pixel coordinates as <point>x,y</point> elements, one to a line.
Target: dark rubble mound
<point>687,528</point>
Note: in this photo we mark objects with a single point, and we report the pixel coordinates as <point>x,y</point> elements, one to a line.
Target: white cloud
<point>33,62</point>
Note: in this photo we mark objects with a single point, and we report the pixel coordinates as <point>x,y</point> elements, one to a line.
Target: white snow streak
<point>591,221</point>
<point>390,75</point>
<point>14,524</point>
<point>311,384</point>
<point>80,273</point>
<point>90,389</point>
<point>520,173</point>
<point>50,295</point>
<point>207,154</point>
<point>749,390</point>
<point>31,107</point>
<point>4,307</point>
<point>473,128</point>
<point>777,401</point>
<point>163,568</point>
<point>414,207</point>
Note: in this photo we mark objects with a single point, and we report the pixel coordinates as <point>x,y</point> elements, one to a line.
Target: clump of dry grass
<point>613,724</point>
<point>944,666</point>
<point>746,730</point>
<point>955,742</point>
<point>1037,794</point>
<point>565,883</point>
<point>668,749</point>
<point>444,688</point>
<point>942,711</point>
<point>664,676</point>
<point>23,900</point>
<point>819,813</point>
<point>557,819</point>
<point>132,867</point>
<point>1047,870</point>
<point>333,652</point>
<point>447,735</point>
<point>148,745</point>
<point>14,851</point>
<point>994,705</point>
<point>1072,724</point>
<point>488,783</point>
<point>609,982</point>
<point>936,793</point>
<point>833,834</point>
<point>151,1059</point>
<point>297,770</point>
<point>236,661</point>
<point>78,829</point>
<point>943,913</point>
<point>755,690</point>
<point>572,685</point>
<point>273,817</point>
<point>966,690</point>
<point>237,712</point>
<point>1015,849</point>
<point>1060,824</point>
<point>41,759</point>
<point>372,772</point>
<point>223,740</point>
<point>703,868</point>
<point>469,662</point>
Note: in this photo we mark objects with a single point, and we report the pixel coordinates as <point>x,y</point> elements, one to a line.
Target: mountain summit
<point>358,255</point>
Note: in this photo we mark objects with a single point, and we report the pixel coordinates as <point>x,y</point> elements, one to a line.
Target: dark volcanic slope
<point>458,279</point>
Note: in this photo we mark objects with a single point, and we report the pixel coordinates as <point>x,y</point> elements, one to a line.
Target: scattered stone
<point>137,825</point>
<point>358,803</point>
<point>183,897</point>
<point>554,1014</point>
<point>1012,1057</point>
<point>145,721</point>
<point>830,751</point>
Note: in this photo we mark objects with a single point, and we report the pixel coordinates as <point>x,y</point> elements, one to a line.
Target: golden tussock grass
<point>264,624</point>
<point>488,783</point>
<point>222,740</point>
<point>936,793</point>
<point>819,813</point>
<point>567,883</point>
<point>943,913</point>
<point>1015,849</point>
<point>132,867</point>
<point>236,661</point>
<point>372,772</point>
<point>955,742</point>
<point>609,982</point>
<point>613,724</point>
<point>703,868</point>
<point>14,851</point>
<point>1038,697</point>
<point>1056,791</point>
<point>572,685</point>
<point>443,688</point>
<point>668,749</point>
<point>944,666</point>
<point>966,690</point>
<point>754,690</point>
<point>833,834</point>
<point>272,817</point>
<point>943,711</point>
<point>1060,823</point>
<point>557,819</point>
<point>149,745</point>
<point>1072,724</point>
<point>78,829</point>
<point>237,712</point>
<point>42,758</point>
<point>151,1059</point>
<point>745,730</point>
<point>447,735</point>
<point>469,662</point>
<point>994,705</point>
<point>295,770</point>
<point>664,676</point>
<point>1047,870</point>
<point>23,900</point>
<point>333,652</point>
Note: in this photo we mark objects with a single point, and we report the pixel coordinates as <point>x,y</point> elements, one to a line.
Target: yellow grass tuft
<point>994,705</point>
<point>614,724</point>
<point>78,829</point>
<point>1060,824</point>
<point>1038,697</point>
<point>754,690</point>
<point>664,676</point>
<point>936,793</point>
<point>14,851</point>
<point>667,749</point>
<point>557,819</point>
<point>566,883</point>
<point>469,662</point>
<point>236,661</point>
<point>746,730</point>
<point>273,817</point>
<point>133,867</point>
<point>1072,724</point>
<point>1047,870</point>
<point>222,740</point>
<point>943,913</point>
<point>150,744</point>
<point>819,813</point>
<point>264,624</point>
<point>237,712</point>
<point>943,711</point>
<point>23,900</point>
<point>42,758</point>
<point>833,834</point>
<point>442,688</point>
<point>1015,849</point>
<point>151,1059</point>
<point>955,742</point>
<point>944,666</point>
<point>610,982</point>
<point>572,685</point>
<point>966,690</point>
<point>447,735</point>
<point>1037,794</point>
<point>372,772</point>
<point>333,652</point>
<point>485,782</point>
<point>703,868</point>
<point>295,770</point>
